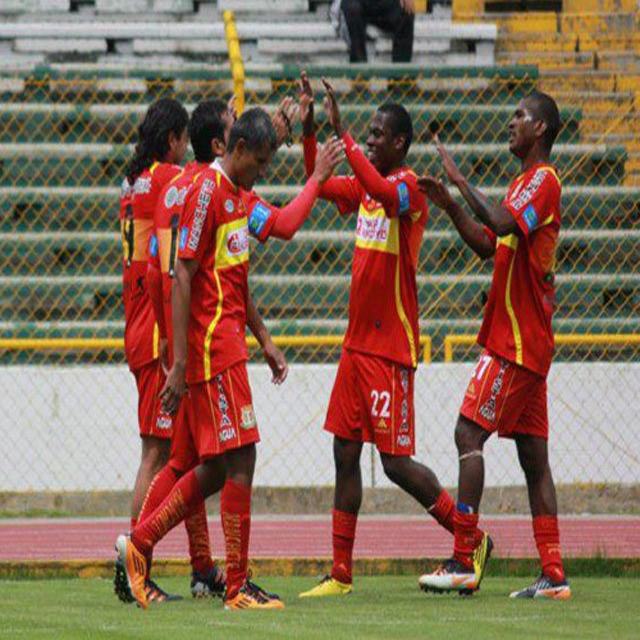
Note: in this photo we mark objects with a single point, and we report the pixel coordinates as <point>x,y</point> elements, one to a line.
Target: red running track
<point>310,537</point>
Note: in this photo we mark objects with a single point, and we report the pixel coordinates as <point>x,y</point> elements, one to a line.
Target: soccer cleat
<point>120,586</point>
<point>135,569</point>
<point>481,557</point>
<point>328,587</point>
<point>545,587</point>
<point>451,576</point>
<point>208,585</point>
<point>251,596</point>
<point>156,594</point>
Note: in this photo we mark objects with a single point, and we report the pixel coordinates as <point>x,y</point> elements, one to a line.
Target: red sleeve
<point>490,234</point>
<point>198,220</point>
<point>537,202</point>
<point>398,195</point>
<point>154,287</point>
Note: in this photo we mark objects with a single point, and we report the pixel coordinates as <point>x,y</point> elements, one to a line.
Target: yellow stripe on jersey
<point>211,328</point>
<point>164,249</point>
<point>156,340</point>
<point>403,317</point>
<point>512,242</point>
<point>232,243</point>
<point>375,231</point>
<point>153,167</point>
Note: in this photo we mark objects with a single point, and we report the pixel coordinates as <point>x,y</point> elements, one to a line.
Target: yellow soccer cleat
<point>135,568</point>
<point>251,596</point>
<point>328,587</point>
<point>481,557</point>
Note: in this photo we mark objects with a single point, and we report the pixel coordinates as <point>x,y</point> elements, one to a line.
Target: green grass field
<point>382,607</point>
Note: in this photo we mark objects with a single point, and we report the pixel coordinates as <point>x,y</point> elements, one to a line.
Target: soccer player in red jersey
<point>507,393</point>
<point>211,305</point>
<point>372,397</point>
<point>161,146</point>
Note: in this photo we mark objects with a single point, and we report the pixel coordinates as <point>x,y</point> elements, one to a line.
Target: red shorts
<point>152,421</point>
<point>184,455</point>
<point>372,401</point>
<point>507,398</point>
<point>220,411</point>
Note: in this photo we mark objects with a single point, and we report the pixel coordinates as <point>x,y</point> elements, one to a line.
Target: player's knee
<point>468,437</point>
<point>346,455</point>
<point>394,467</point>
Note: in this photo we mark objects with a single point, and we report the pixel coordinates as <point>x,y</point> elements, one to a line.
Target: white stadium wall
<point>75,428</point>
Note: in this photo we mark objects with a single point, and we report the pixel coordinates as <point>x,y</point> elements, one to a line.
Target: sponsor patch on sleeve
<point>153,246</point>
<point>530,217</point>
<point>403,197</point>
<point>184,234</point>
<point>258,218</point>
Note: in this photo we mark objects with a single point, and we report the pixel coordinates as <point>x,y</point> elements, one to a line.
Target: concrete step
<point>568,81</point>
<point>549,59</point>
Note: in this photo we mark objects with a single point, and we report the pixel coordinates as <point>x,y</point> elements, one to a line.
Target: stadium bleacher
<point>69,115</point>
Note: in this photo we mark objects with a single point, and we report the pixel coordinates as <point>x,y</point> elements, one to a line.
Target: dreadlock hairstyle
<point>163,117</point>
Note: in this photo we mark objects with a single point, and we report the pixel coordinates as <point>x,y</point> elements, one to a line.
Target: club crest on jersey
<point>247,417</point>
<point>229,206</point>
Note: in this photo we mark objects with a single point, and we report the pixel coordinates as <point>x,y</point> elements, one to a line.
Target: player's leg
<point>154,456</point>
<point>355,18</point>
<point>343,421</point>
<point>534,460</point>
<point>389,16</point>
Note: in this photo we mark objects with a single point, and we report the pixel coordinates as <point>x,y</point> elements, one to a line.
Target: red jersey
<point>383,301</point>
<point>215,232</point>
<point>517,318</point>
<point>137,204</point>
<point>169,229</point>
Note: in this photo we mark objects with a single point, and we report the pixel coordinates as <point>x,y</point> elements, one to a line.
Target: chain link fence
<point>69,407</point>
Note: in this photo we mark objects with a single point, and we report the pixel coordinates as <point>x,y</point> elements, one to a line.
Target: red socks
<point>443,509</point>
<point>465,535</point>
<point>235,513</point>
<point>199,545</point>
<point>159,489</point>
<point>547,536</point>
<point>344,533</point>
<point>182,499</point>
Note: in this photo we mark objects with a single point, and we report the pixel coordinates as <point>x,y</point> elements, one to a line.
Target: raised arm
<point>496,216</point>
<point>274,357</point>
<point>472,232</point>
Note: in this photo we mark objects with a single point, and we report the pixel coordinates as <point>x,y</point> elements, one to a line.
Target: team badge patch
<point>258,218</point>
<point>403,197</point>
<point>229,207</point>
<point>247,417</point>
<point>530,217</point>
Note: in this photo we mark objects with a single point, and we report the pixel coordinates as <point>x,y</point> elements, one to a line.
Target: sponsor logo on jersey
<point>404,440</point>
<point>404,379</point>
<point>164,422</point>
<point>403,197</point>
<point>238,241</point>
<point>153,246</point>
<point>142,186</point>
<point>488,409</point>
<point>229,206</point>
<point>200,215</point>
<point>382,425</point>
<point>175,197</point>
<point>223,406</point>
<point>530,218</point>
<point>227,434</point>
<point>247,417</point>
<point>258,218</point>
<point>521,199</point>
<point>374,228</point>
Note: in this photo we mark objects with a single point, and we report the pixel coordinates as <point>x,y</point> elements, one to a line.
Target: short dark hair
<point>400,122</point>
<point>254,126</point>
<point>544,108</point>
<point>204,126</point>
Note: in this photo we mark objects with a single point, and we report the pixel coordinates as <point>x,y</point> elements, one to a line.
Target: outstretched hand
<point>448,163</point>
<point>277,362</point>
<point>306,105</point>
<point>331,108</point>
<point>328,158</point>
<point>282,119</point>
<point>436,191</point>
